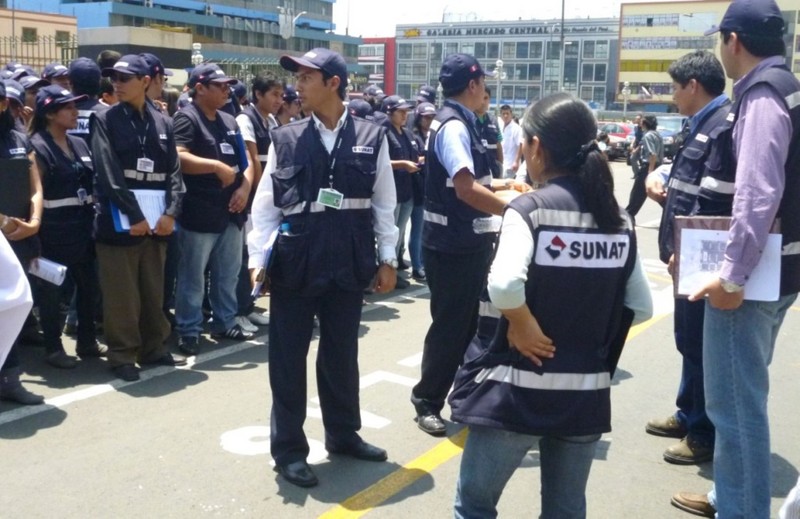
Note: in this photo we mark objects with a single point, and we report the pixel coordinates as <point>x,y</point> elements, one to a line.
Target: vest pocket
<point>289,265</point>
<point>286,186</point>
<point>360,178</point>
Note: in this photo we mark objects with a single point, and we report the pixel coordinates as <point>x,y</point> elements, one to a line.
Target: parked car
<point>618,138</point>
<point>670,126</point>
<point>617,147</point>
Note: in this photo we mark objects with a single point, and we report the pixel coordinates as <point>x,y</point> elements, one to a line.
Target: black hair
<point>342,84</point>
<point>265,82</point>
<point>758,46</point>
<point>703,67</point>
<point>88,88</point>
<point>107,58</point>
<point>488,91</point>
<point>170,96</point>
<point>105,86</point>
<point>649,122</point>
<point>505,107</point>
<point>566,129</point>
<point>602,137</point>
<point>6,120</point>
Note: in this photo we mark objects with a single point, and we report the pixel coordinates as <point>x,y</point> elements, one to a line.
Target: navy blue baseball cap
<point>209,72</point>
<point>319,59</point>
<point>156,67</point>
<point>14,91</point>
<point>458,70</point>
<point>759,18</point>
<point>289,94</point>
<point>52,97</point>
<point>21,71</point>
<point>30,82</point>
<point>372,90</point>
<point>131,64</point>
<point>239,90</point>
<point>54,69</point>
<point>359,108</point>
<point>84,71</point>
<point>392,103</point>
<point>426,94</point>
<point>425,109</point>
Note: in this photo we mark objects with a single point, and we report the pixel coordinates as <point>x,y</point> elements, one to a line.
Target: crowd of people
<point>155,202</point>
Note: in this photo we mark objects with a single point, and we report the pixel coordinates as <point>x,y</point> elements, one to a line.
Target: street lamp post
<point>498,72</point>
<point>197,57</point>
<point>561,63</point>
<point>439,96</point>
<point>626,92</point>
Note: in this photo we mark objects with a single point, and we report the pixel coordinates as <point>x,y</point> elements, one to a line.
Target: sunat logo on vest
<point>581,250</point>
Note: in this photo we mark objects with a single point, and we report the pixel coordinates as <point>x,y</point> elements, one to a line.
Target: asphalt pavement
<point>193,441</point>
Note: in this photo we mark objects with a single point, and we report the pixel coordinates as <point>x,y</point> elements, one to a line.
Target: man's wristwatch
<point>391,262</point>
<point>730,287</point>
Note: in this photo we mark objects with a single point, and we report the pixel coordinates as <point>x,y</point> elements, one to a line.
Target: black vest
<point>402,146</point>
<point>86,109</point>
<point>698,181</point>
<point>575,289</point>
<point>452,226</point>
<point>261,133</point>
<point>488,132</point>
<point>68,214</point>
<point>15,145</point>
<point>787,87</point>
<point>118,122</point>
<point>205,204</point>
<point>320,246</point>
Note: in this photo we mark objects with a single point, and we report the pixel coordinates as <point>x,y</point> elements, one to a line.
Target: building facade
<point>377,58</point>
<point>234,33</point>
<point>37,39</point>
<point>653,35</point>
<point>528,53</point>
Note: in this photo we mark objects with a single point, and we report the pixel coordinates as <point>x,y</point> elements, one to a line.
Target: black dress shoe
<point>189,345</point>
<point>127,372</point>
<point>361,450</point>
<point>432,424</point>
<point>91,349</point>
<point>168,359</point>
<point>298,473</point>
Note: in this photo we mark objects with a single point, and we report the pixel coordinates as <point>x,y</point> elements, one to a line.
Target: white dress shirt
<point>266,217</point>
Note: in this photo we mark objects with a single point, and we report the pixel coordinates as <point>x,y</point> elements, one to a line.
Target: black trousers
<point>290,329</point>
<point>84,276</point>
<point>638,195</point>
<point>455,282</point>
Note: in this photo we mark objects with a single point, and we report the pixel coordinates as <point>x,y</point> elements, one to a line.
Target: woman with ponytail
<point>565,286</point>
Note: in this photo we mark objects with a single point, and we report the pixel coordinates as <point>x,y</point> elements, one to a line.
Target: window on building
<point>29,34</point>
<point>450,48</point>
<point>62,37</point>
<point>550,87</point>
<point>509,50</point>
<point>594,72</point>
<point>595,49</point>
<point>420,71</point>
<point>404,90</point>
<point>492,50</point>
<point>521,94</point>
<point>522,50</point>
<point>535,49</point>
<point>468,48</point>
<point>535,72</point>
<point>508,93</point>
<point>534,93</point>
<point>419,51</point>
<point>480,49</point>
<point>404,51</point>
<point>521,72</point>
<point>436,52</point>
<point>405,72</point>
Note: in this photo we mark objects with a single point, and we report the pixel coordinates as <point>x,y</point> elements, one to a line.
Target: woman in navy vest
<point>565,285</point>
<point>21,230</point>
<point>65,166</point>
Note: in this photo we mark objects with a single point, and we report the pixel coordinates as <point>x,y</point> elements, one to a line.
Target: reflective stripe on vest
<point>484,181</point>
<point>717,186</point>
<point>434,217</point>
<point>686,187</point>
<point>262,158</point>
<point>487,309</point>
<point>559,218</point>
<point>148,177</point>
<point>792,100</point>
<point>316,207</point>
<point>791,248</point>
<point>66,202</point>
<point>546,381</point>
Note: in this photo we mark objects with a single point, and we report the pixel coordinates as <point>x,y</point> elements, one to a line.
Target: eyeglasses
<point>123,78</point>
<point>221,86</point>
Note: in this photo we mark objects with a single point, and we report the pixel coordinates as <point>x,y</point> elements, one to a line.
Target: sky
<point>368,18</point>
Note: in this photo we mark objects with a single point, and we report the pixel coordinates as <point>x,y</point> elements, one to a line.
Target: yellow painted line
<point>659,277</point>
<point>394,483</point>
<point>369,498</point>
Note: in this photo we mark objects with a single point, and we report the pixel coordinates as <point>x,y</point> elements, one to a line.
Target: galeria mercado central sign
<point>501,31</point>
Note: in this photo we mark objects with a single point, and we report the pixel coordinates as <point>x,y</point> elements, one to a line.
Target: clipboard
<point>700,243</point>
<point>15,196</point>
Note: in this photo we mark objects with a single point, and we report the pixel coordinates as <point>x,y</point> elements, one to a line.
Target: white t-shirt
<point>512,140</point>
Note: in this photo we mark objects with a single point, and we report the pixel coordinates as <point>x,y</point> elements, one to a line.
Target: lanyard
<point>141,138</point>
<point>336,145</point>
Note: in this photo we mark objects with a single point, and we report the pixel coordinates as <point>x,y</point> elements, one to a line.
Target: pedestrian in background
<point>491,134</point>
<point>423,117</point>
<point>650,155</point>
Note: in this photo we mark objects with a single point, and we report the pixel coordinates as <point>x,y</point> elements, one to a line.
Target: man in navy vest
<point>327,195</point>
<point>457,235</point>
<point>698,82</point>
<point>739,335</point>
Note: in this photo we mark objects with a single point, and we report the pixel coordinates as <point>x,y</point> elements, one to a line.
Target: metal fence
<point>38,52</point>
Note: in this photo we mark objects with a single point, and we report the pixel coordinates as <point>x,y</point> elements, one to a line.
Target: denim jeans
<point>415,239</point>
<point>222,253</point>
<point>492,455</point>
<point>402,213</point>
<point>737,351</point>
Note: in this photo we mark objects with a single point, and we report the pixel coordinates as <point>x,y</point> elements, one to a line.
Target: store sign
<point>502,31</point>
<point>250,25</point>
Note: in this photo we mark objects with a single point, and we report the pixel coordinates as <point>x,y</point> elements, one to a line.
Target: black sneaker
<point>189,345</point>
<point>401,283</point>
<point>126,372</point>
<point>235,332</point>
<point>401,264</point>
<point>168,359</point>
<point>91,349</point>
<point>419,275</point>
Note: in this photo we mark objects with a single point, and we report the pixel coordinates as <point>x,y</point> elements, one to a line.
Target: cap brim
<point>712,30</point>
<point>292,63</point>
<point>228,80</point>
<point>106,72</point>
<point>405,106</point>
<point>36,84</point>
<point>168,72</point>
